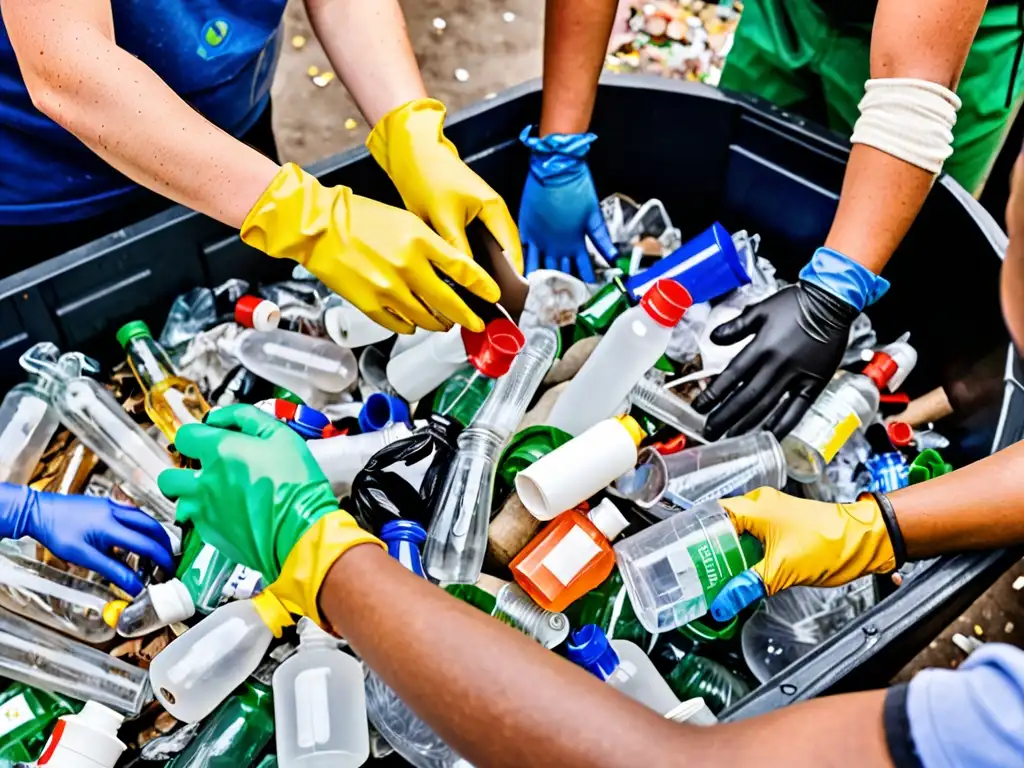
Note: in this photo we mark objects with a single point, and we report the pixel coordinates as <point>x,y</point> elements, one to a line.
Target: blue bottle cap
<point>403,530</point>
<point>380,409</point>
<point>308,422</point>
<point>590,649</point>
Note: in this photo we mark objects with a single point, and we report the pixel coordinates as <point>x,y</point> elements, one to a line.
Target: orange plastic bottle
<point>569,557</point>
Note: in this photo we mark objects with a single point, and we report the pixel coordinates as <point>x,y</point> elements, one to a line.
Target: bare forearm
<point>980,506</point>
<point>882,195</point>
<point>576,36</point>
<point>368,45</point>
<point>121,110</point>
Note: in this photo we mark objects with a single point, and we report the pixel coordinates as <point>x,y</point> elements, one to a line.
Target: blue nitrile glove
<point>83,529</point>
<point>560,206</point>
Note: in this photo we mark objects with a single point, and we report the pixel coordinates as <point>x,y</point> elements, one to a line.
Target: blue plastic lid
<point>590,649</point>
<point>308,422</point>
<point>380,409</point>
<point>403,530</point>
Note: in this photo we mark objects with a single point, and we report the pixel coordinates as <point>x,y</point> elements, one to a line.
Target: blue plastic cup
<point>379,410</point>
<point>708,266</point>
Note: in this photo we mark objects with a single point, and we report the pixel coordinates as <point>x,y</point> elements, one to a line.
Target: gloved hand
<point>262,500</point>
<point>380,258</point>
<point>410,145</point>
<point>83,529</point>
<point>560,206</point>
<point>801,334</point>
<point>806,543</point>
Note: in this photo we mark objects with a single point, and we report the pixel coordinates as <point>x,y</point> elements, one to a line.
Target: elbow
<point>48,96</point>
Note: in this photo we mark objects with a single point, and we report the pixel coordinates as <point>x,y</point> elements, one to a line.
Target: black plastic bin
<point>707,155</point>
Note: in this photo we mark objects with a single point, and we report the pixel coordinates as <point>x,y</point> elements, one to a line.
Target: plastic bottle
<point>457,538</point>
<point>623,666</point>
<point>197,671</point>
<point>39,657</point>
<point>379,410</point>
<point>570,556</point>
<point>632,345</point>
<point>509,604</point>
<point>350,327</point>
<point>596,316</point>
<point>608,606</point>
<point>237,733</point>
<point>26,717</point>
<point>257,313</point>
<point>403,479</point>
<point>95,417</point>
<point>270,761</point>
<point>86,740</point>
<point>404,539</point>
<point>54,598</point>
<point>170,399</point>
<point>27,424</point>
<point>320,705</point>
<point>696,676</point>
<point>674,569</point>
<point>574,472</point>
<point>314,369</point>
<point>849,402</point>
<point>462,395</point>
<point>343,456</point>
<point>654,400</point>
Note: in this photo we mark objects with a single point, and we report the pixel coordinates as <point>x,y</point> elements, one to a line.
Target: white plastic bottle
<point>343,456</point>
<point>320,705</point>
<point>633,344</point>
<point>195,673</point>
<point>86,740</point>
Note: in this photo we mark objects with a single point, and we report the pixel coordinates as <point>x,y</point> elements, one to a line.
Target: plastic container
<point>319,705</point>
<point>674,569</point>
<point>27,423</point>
<point>509,604</point>
<point>350,327</point>
<point>86,740</point>
<point>654,400</point>
<point>235,735</point>
<point>343,456</point>
<point>404,539</point>
<point>632,345</point>
<point>379,410</point>
<point>257,313</point>
<point>28,715</point>
<point>462,395</point>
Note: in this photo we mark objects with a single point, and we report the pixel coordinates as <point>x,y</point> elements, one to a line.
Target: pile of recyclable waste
<point>548,470</point>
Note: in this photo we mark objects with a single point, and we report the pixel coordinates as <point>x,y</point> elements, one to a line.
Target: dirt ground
<point>498,51</point>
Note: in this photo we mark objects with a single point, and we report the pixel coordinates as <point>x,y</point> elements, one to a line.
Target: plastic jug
<point>86,740</point>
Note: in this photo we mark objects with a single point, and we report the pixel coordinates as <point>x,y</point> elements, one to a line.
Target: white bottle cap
<point>172,602</point>
<point>86,740</point>
<point>607,518</point>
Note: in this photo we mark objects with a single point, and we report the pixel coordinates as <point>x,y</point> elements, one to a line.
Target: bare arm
<point>980,506</point>
<point>119,108</point>
<point>500,699</point>
<point>368,45</point>
<point>576,36</point>
<point>881,196</point>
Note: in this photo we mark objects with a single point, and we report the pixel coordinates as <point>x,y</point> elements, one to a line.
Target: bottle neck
<point>149,362</point>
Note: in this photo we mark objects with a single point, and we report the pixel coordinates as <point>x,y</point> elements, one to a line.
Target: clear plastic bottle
<point>171,399</point>
<point>314,369</point>
<point>96,418</point>
<point>39,657</point>
<point>457,539</point>
<point>656,401</point>
<point>320,705</point>
<point>54,598</point>
<point>633,344</point>
<point>200,669</point>
<point>342,457</point>
<point>849,402</point>
<point>27,423</point>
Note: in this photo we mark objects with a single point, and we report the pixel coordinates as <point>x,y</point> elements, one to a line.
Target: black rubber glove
<point>801,334</point>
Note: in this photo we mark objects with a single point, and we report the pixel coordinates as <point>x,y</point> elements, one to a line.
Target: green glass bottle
<point>236,733</point>
<point>462,395</point>
<point>597,315</point>
<point>696,676</point>
<point>27,716</point>
<point>204,571</point>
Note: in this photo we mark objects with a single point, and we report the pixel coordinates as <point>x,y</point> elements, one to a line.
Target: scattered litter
<point>350,124</point>
<point>508,16</point>
<point>461,75</point>
<point>966,644</point>
<point>323,79</point>
<point>298,42</point>
<point>312,70</point>
<point>439,25</point>
<point>1018,584</point>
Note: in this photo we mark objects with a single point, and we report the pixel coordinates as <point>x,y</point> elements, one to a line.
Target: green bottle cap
<point>527,447</point>
<point>136,329</point>
<point>286,394</point>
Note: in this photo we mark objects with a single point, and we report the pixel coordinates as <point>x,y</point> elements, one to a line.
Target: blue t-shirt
<point>218,55</point>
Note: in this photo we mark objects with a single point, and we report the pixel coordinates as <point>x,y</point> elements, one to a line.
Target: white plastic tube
<point>350,327</point>
<point>86,740</point>
<point>580,468</point>
<point>423,368</point>
<point>342,457</point>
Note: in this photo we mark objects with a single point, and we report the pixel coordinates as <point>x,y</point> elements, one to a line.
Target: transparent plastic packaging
<point>54,598</point>
<point>342,457</point>
<point>656,401</point>
<point>27,424</point>
<point>457,539</point>
<point>637,677</point>
<point>314,369</point>
<point>320,705</point>
<point>44,659</point>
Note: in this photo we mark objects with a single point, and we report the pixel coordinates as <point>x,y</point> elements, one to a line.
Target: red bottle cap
<point>284,409</point>
<point>254,312</point>
<point>900,433</point>
<point>666,302</point>
<point>492,350</point>
<point>881,368</point>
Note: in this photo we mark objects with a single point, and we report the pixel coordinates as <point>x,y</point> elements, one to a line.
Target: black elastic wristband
<point>899,546</point>
<point>898,738</point>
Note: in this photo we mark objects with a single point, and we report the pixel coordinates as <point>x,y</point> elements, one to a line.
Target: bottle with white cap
<point>849,402</point>
<point>86,740</point>
<point>633,344</point>
<point>320,705</point>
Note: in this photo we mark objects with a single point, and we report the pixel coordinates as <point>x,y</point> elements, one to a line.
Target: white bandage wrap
<point>908,118</point>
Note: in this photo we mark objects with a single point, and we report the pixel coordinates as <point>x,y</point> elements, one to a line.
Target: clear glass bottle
<point>314,369</point>
<point>171,400</point>
<point>237,733</point>
<point>320,705</point>
<point>44,659</point>
<point>27,423</point>
<point>54,598</point>
<point>96,418</point>
<point>457,538</point>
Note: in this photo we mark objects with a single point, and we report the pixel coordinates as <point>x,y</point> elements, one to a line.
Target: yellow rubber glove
<point>380,258</point>
<point>410,145</point>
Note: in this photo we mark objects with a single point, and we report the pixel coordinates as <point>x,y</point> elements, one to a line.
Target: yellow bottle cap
<point>112,612</point>
<point>636,432</point>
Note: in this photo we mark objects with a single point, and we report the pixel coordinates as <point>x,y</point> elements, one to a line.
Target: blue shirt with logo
<point>218,55</point>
